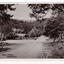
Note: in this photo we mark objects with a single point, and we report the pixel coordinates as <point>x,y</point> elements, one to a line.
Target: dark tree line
<point>26,26</point>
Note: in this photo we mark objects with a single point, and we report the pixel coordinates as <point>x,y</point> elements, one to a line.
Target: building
<point>20,36</point>
<point>34,32</point>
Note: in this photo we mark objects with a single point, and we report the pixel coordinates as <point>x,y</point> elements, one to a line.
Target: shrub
<point>11,36</point>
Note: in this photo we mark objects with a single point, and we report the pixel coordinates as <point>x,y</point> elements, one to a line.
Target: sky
<point>22,12</point>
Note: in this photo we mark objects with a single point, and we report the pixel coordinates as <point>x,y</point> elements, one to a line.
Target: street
<point>30,49</point>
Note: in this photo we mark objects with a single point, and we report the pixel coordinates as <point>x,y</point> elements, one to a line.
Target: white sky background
<point>22,12</point>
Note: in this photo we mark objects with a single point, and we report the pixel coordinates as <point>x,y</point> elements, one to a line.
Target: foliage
<point>3,11</point>
<point>5,29</point>
<point>27,26</point>
<point>40,10</point>
<point>34,32</point>
<point>4,19</point>
<point>54,25</point>
<point>11,35</point>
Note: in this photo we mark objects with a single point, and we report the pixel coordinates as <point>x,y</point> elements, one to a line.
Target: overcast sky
<point>22,12</point>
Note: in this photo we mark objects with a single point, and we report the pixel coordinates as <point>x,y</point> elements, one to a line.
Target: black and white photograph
<point>32,31</point>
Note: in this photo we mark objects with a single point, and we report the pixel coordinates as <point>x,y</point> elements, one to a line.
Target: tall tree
<point>40,10</point>
<point>4,18</point>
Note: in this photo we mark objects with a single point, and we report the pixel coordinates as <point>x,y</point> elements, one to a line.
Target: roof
<point>33,32</point>
<point>21,34</point>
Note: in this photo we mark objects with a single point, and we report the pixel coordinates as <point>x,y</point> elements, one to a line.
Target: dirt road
<point>31,49</point>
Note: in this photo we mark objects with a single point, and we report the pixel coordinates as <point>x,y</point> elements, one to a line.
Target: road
<point>31,49</point>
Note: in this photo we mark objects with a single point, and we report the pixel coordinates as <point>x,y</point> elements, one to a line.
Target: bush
<point>45,33</point>
<point>11,36</point>
<point>3,38</point>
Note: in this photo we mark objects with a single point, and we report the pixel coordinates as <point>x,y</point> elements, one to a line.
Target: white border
<point>32,1</point>
<point>21,61</point>
<point>31,61</point>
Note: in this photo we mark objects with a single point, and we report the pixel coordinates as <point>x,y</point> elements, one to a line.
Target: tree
<point>53,26</point>
<point>50,29</point>
<point>40,10</point>
<point>4,18</point>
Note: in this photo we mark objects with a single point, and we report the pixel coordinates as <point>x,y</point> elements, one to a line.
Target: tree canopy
<point>55,24</point>
<point>40,10</point>
<point>5,17</point>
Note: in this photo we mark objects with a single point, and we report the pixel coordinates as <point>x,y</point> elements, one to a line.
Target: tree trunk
<point>61,36</point>
<point>54,39</point>
<point>2,40</point>
<point>2,46</point>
